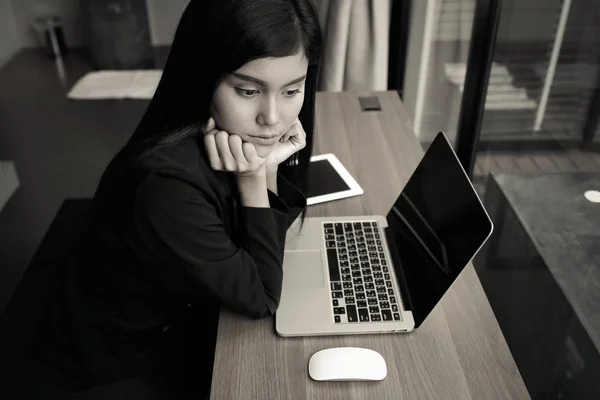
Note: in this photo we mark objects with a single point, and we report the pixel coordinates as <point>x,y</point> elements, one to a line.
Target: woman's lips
<point>265,140</point>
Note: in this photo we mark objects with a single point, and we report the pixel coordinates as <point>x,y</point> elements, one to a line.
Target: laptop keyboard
<point>361,285</point>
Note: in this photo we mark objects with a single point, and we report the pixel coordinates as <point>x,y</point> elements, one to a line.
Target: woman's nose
<point>269,113</point>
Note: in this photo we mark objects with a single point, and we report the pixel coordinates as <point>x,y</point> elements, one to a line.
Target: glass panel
<point>540,268</point>
<point>440,33</point>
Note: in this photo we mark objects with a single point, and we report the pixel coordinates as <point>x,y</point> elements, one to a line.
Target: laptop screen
<point>437,225</point>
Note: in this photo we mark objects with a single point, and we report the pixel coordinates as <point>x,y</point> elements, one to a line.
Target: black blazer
<point>167,244</point>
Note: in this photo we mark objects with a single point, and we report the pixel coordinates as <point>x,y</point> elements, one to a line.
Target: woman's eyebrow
<point>263,83</point>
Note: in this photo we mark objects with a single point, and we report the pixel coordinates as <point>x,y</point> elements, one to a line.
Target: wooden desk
<point>458,353</point>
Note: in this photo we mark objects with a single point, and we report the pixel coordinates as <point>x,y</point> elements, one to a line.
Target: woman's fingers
<point>210,125</point>
<point>250,154</point>
<point>235,145</point>
<point>211,149</point>
<point>222,139</point>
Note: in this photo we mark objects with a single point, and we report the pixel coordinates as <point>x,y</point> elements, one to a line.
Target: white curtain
<point>356,44</point>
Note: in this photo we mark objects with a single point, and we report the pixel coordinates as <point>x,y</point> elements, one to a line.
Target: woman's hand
<point>228,152</point>
<point>293,141</point>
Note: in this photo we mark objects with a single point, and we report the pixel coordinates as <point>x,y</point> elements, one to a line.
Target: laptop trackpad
<point>304,269</point>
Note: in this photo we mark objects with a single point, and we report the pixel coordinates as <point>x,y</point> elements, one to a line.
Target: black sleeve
<point>290,201</point>
<point>181,227</point>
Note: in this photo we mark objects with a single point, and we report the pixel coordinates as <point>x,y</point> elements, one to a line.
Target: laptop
<point>379,274</point>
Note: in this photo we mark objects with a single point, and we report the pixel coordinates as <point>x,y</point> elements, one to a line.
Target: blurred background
<point>514,84</point>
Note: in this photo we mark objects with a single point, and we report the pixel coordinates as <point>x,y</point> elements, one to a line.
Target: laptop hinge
<point>404,292</point>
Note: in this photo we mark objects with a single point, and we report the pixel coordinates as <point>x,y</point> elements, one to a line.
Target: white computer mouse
<point>347,364</point>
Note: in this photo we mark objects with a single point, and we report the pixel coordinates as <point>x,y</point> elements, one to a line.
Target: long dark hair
<point>216,37</point>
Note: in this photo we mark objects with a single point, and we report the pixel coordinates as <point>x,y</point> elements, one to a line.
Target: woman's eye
<point>247,92</point>
<point>290,93</point>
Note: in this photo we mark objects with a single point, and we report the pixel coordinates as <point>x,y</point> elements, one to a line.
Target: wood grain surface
<point>458,353</point>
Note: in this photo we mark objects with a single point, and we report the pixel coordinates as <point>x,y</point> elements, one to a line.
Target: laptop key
<point>337,295</point>
<point>352,316</point>
<point>373,309</point>
<point>379,282</point>
<point>348,285</point>
<point>359,288</point>
<point>357,281</point>
<point>337,319</point>
<point>378,275</point>
<point>370,286</point>
<point>357,226</point>
<point>355,274</point>
<point>375,317</point>
<point>388,284</point>
<point>336,286</point>
<point>355,267</point>
<point>339,230</point>
<point>361,303</point>
<point>391,292</point>
<point>392,300</point>
<point>382,297</point>
<point>345,270</point>
<point>369,278</point>
<point>370,293</point>
<point>381,255</point>
<point>350,300</point>
<point>385,269</point>
<point>396,317</point>
<point>330,244</point>
<point>332,261</point>
<point>366,272</point>
<point>360,295</point>
<point>347,278</point>
<point>384,304</point>
<point>381,289</point>
<point>347,226</point>
<point>376,268</point>
<point>335,303</point>
<point>387,276</point>
<point>339,310</point>
<point>363,314</point>
<point>373,302</point>
<point>387,315</point>
<point>394,308</point>
<point>348,292</point>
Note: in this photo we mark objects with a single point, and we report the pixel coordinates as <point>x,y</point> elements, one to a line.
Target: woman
<point>192,213</point>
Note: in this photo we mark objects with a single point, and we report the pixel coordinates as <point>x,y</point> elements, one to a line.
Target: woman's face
<point>261,100</point>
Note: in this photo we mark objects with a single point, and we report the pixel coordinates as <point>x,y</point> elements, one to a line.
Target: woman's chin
<point>263,151</point>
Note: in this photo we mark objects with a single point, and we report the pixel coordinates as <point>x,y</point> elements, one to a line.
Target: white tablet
<point>328,180</point>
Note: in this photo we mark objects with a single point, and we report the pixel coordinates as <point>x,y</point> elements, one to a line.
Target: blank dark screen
<point>438,224</point>
<point>323,179</point>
